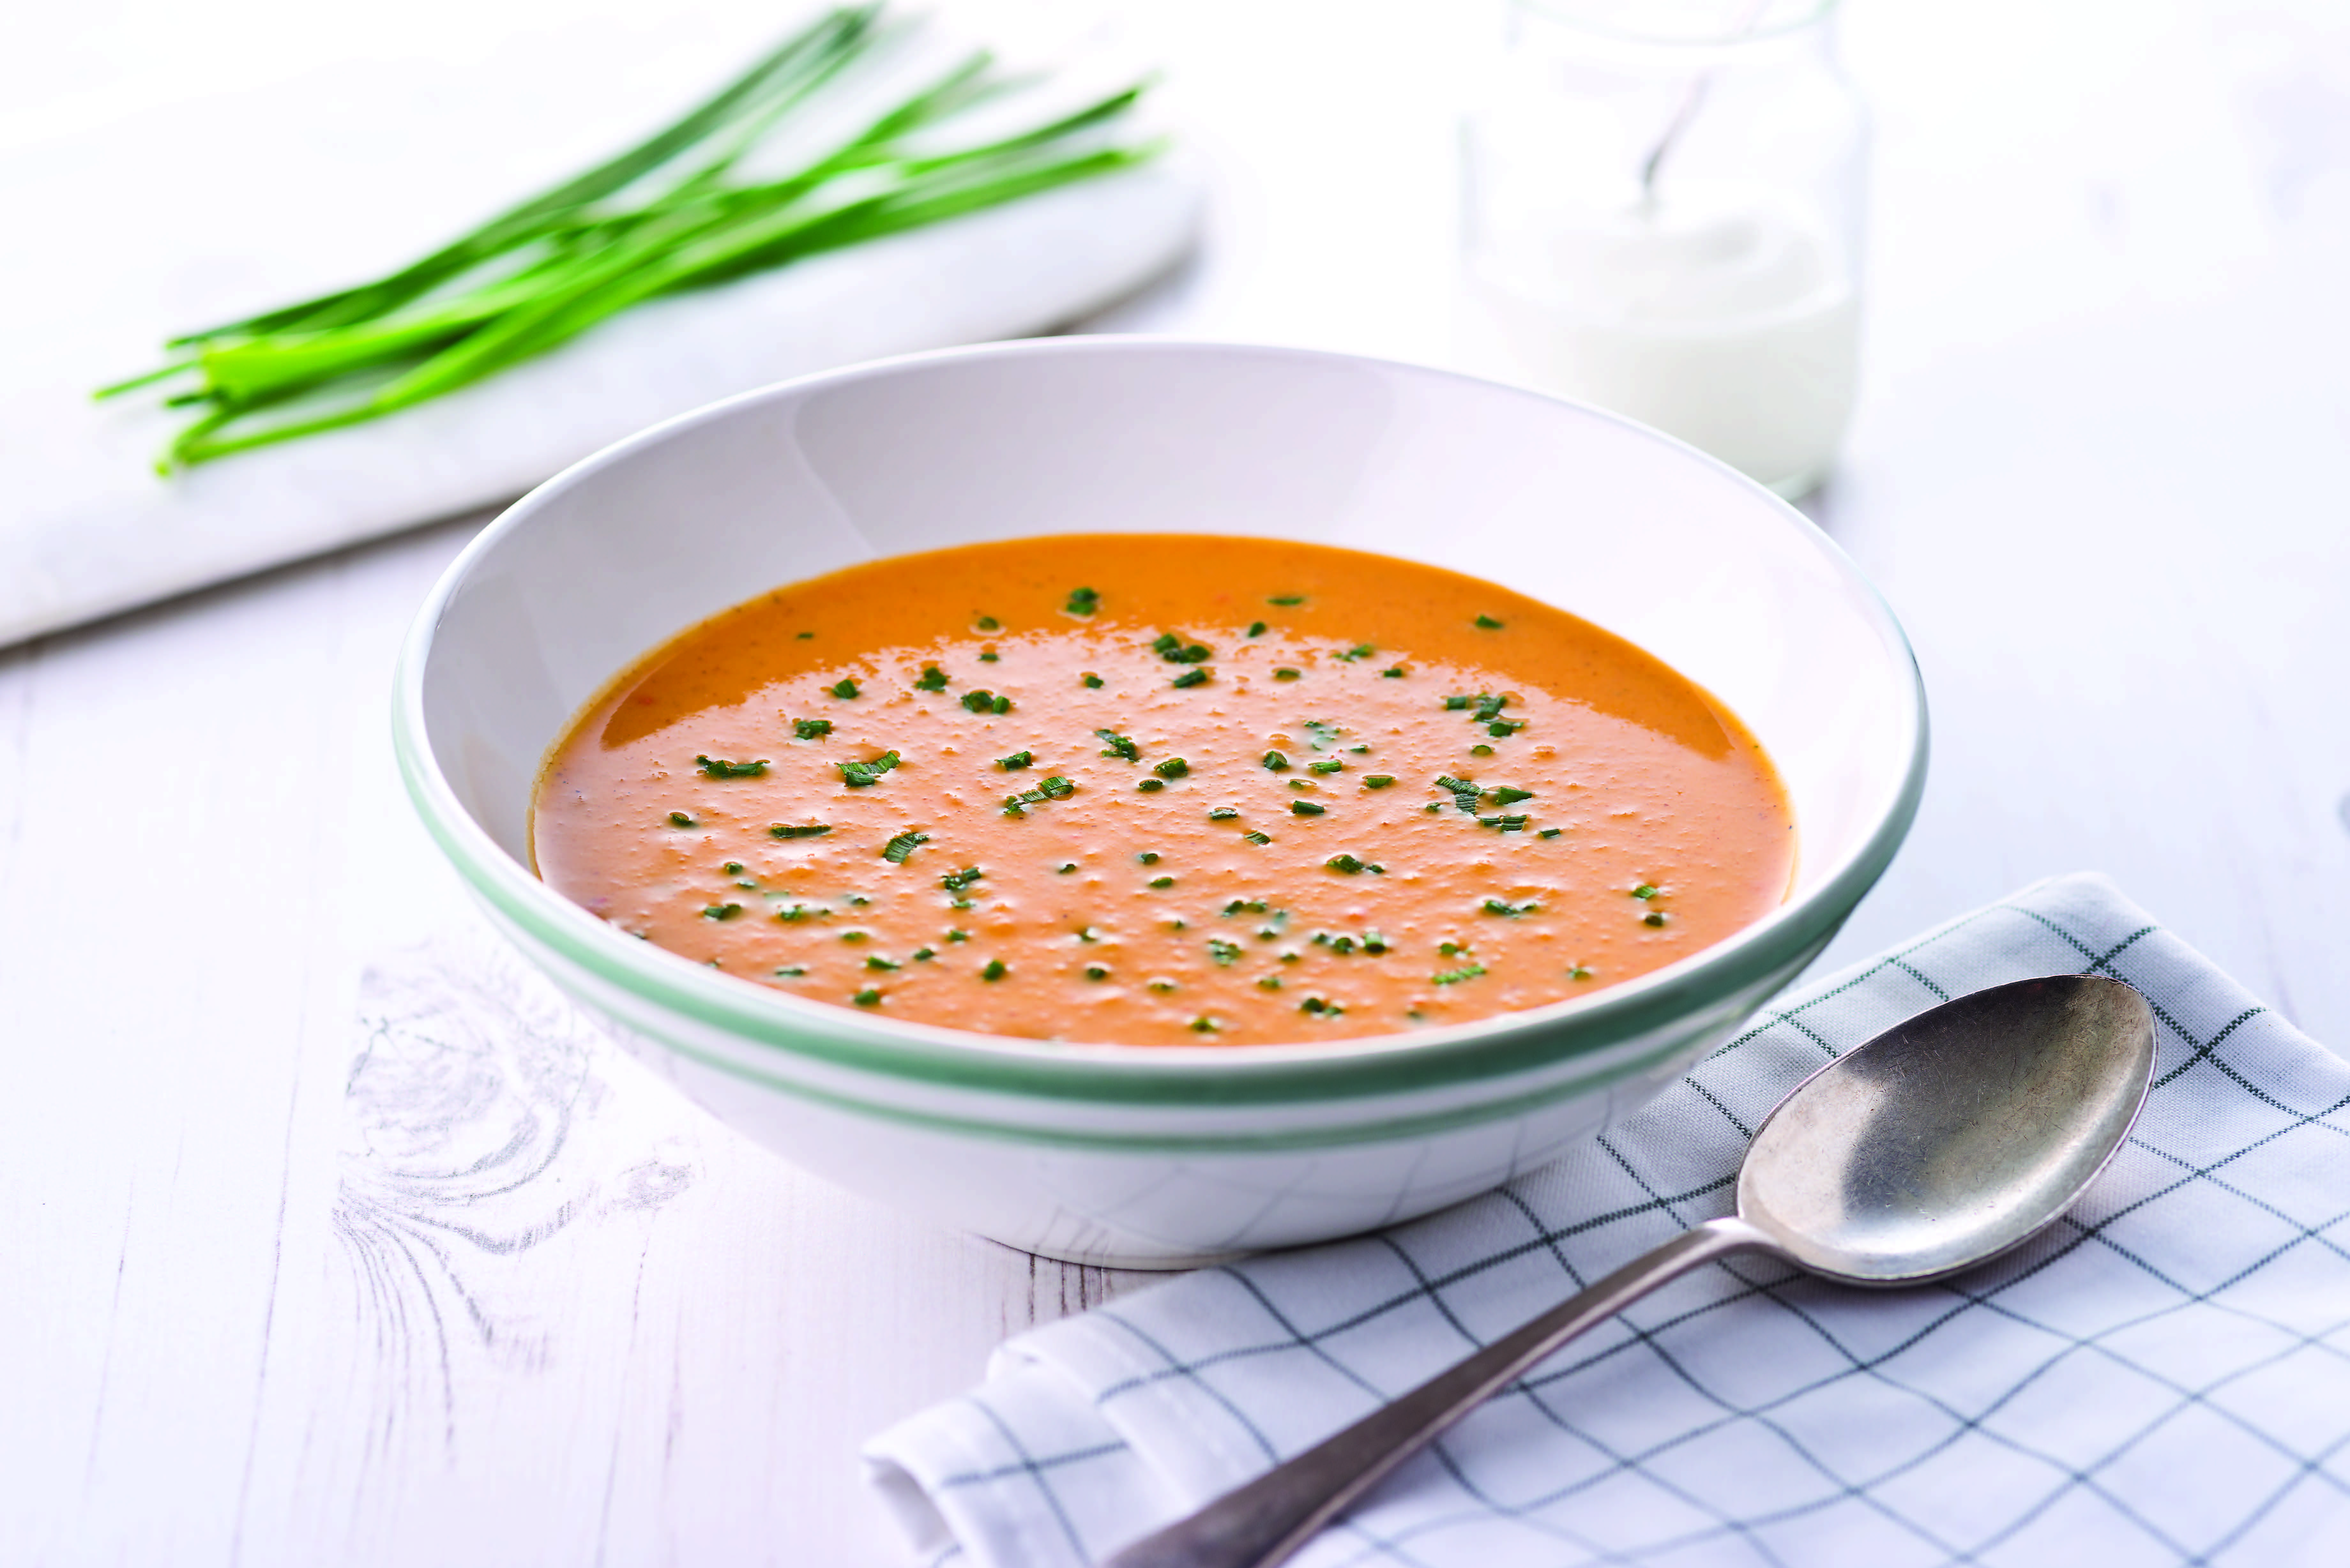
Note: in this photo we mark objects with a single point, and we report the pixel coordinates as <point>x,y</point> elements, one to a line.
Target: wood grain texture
<point>295,1276</point>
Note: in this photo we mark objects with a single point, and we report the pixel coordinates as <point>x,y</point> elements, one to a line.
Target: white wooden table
<point>2101,471</point>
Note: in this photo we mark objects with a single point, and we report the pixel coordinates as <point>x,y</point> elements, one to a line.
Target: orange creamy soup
<point>1163,790</point>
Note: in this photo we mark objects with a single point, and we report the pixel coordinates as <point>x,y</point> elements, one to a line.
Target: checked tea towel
<point>2164,1377</point>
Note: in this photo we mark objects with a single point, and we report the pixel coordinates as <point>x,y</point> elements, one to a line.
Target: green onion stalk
<point>681,210</point>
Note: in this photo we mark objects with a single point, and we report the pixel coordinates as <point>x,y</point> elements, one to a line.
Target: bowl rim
<point>1173,1076</point>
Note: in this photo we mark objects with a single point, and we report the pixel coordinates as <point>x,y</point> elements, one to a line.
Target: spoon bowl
<point>1941,1143</point>
<point>1954,1137</point>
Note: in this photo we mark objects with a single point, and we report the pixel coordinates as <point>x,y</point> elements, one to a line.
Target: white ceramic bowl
<point>1159,1157</point>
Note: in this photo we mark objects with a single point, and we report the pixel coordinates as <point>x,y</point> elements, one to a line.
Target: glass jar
<point>1663,207</point>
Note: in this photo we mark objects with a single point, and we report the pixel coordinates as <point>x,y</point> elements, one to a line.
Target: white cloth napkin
<point>88,528</point>
<point>2164,1377</point>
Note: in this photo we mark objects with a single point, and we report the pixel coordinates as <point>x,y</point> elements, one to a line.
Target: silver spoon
<point>1937,1146</point>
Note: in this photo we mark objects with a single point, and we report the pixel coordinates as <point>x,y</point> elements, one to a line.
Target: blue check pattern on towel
<point>2162,1378</point>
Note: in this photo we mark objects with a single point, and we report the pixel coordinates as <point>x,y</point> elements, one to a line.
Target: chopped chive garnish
<point>1016,761</point>
<point>1481,750</point>
<point>1646,890</point>
<point>1269,982</point>
<point>1464,794</point>
<point>1092,679</point>
<point>1082,601</point>
<point>1501,729</point>
<point>1096,972</point>
<point>933,679</point>
<point>1455,976</point>
<point>1319,1008</point>
<point>1506,795</point>
<point>985,702</point>
<point>1395,671</point>
<point>1162,881</point>
<point>869,997</point>
<point>1276,761</point>
<point>989,623</point>
<point>1173,650</point>
<point>1152,785</point>
<point>1359,751</point>
<point>1172,768</point>
<point>1204,1024</point>
<point>1054,788</point>
<point>1503,824</point>
<point>994,970</point>
<point>897,851</point>
<point>958,936</point>
<point>1258,837</point>
<point>1377,781</point>
<point>1065,868</point>
<point>1223,813</point>
<point>1306,809</point>
<point>1189,678</point>
<point>1577,971</point>
<point>1653,918</point>
<point>875,961</point>
<point>1149,858</point>
<point>732,868</point>
<point>721,911</point>
<point>794,971</point>
<point>1222,951</point>
<point>811,728</point>
<point>1119,745</point>
<point>1454,704</point>
<point>956,881</point>
<point>720,768</point>
<point>1360,651</point>
<point>1286,673</point>
<point>1257,628</point>
<point>798,829</point>
<point>1550,833</point>
<point>857,776</point>
<point>1330,766</point>
<point>924,955</point>
<point>1286,600</point>
<point>847,689</point>
<point>1504,907</point>
<point>990,657</point>
<point>1343,862</point>
<point>1490,707</point>
<point>1489,623</point>
<point>679,819</point>
<point>803,636</point>
<point>854,936</point>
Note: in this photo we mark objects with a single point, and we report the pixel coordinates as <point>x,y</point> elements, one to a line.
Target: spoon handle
<point>1262,1524</point>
